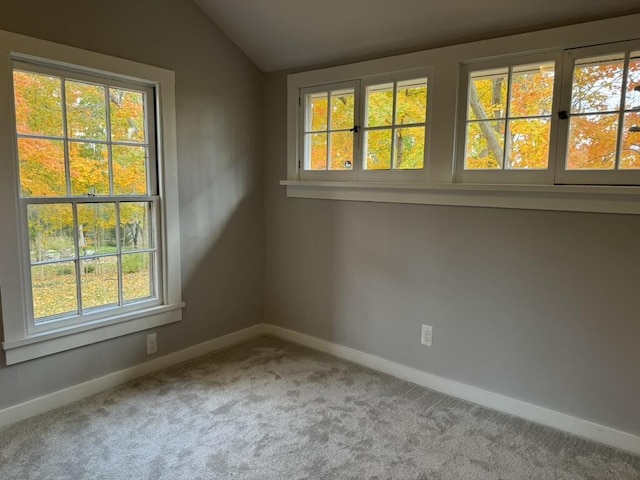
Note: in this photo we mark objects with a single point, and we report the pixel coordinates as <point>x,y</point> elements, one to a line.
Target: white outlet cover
<point>427,335</point>
<point>152,343</point>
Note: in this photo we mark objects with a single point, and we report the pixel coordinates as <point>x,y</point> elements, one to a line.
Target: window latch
<point>355,129</point>
<point>563,115</point>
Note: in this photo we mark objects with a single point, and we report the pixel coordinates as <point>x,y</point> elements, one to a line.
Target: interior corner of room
<point>528,311</point>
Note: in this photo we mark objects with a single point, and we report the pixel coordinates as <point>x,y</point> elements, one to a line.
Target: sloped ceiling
<point>285,34</point>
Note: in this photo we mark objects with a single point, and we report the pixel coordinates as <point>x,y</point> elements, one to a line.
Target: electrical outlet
<point>152,343</point>
<point>427,335</point>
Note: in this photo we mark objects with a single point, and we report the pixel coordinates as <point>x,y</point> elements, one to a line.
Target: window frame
<point>358,173</point>
<point>45,324</point>
<point>507,176</point>
<point>592,177</point>
<point>21,341</point>
<point>342,175</point>
<point>394,175</point>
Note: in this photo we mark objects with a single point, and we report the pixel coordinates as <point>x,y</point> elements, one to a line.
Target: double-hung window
<point>90,243</point>
<point>370,129</point>
<point>88,194</point>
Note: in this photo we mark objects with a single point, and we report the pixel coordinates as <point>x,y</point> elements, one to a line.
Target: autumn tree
<point>519,138</point>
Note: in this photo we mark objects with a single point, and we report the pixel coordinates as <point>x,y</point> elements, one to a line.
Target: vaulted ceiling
<point>285,34</point>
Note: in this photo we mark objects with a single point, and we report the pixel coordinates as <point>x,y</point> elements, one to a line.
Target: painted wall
<point>220,173</point>
<point>539,306</point>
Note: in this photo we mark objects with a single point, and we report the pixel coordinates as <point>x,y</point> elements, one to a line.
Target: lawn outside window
<point>93,183</point>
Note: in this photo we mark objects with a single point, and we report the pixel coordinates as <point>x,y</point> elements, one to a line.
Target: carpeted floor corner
<point>268,410</point>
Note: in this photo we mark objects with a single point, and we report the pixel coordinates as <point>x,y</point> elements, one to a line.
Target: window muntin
<point>395,125</point>
<point>329,129</point>
<point>88,195</point>
<point>368,129</point>
<point>604,120</point>
<point>508,117</point>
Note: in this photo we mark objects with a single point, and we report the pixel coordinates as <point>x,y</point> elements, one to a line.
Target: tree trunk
<point>485,127</point>
<point>399,150</point>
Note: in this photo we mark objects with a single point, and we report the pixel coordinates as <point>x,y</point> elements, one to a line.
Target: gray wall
<point>220,173</point>
<point>539,306</point>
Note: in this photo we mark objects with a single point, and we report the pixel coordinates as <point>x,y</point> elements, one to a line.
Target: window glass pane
<point>378,149</point>
<point>129,170</point>
<point>380,105</point>
<point>408,153</point>
<point>96,228</point>
<point>135,225</point>
<point>137,276</point>
<point>488,94</point>
<point>633,82</point>
<point>630,153</point>
<point>99,282</point>
<point>485,145</point>
<point>532,90</point>
<point>317,112</point>
<point>597,84</point>
<point>54,289</point>
<point>38,101</point>
<point>126,109</point>
<point>316,149</point>
<point>342,109</point>
<point>592,142</point>
<point>529,143</point>
<point>89,168</point>
<point>42,170</point>
<point>86,111</point>
<point>411,101</point>
<point>50,232</point>
<point>341,151</point>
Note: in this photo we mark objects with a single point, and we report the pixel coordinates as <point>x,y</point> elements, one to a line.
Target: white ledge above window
<point>571,198</point>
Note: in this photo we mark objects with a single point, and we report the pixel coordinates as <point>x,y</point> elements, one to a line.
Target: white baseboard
<point>577,426</point>
<point>78,392</point>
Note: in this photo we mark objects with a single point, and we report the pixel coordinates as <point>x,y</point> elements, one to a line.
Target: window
<point>508,120</point>
<point>395,125</point>
<point>373,128</point>
<point>602,115</point>
<point>534,121</point>
<point>510,126</point>
<point>88,195</point>
<point>328,128</point>
<point>93,185</point>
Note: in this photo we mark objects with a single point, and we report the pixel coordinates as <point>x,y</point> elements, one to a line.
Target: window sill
<point>42,344</point>
<point>570,198</point>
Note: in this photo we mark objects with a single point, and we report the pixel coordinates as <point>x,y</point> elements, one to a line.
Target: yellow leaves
<point>38,102</point>
<point>127,115</point>
<point>390,106</point>
<point>54,289</point>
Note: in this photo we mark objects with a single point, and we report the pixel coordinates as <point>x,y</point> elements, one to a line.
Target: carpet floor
<point>268,410</point>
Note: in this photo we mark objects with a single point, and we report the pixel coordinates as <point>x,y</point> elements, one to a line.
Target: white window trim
<point>395,175</point>
<point>19,344</point>
<point>438,185</point>
<point>340,175</point>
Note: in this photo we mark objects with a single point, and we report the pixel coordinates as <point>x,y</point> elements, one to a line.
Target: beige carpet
<point>271,410</point>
